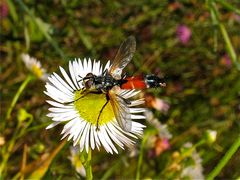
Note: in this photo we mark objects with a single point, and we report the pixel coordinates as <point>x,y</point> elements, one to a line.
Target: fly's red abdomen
<point>134,82</point>
<point>142,82</point>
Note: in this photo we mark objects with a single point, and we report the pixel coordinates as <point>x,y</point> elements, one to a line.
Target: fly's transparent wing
<point>121,111</point>
<point>123,57</point>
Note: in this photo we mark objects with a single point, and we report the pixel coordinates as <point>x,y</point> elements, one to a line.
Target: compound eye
<point>88,84</point>
<point>89,75</point>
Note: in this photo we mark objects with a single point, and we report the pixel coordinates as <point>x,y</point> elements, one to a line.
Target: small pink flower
<point>160,105</point>
<point>227,60</point>
<point>161,145</point>
<point>183,34</point>
<point>156,103</point>
<point>236,17</point>
<point>166,143</point>
<point>3,9</point>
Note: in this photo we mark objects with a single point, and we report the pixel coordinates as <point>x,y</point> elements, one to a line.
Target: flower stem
<point>228,6</point>
<point>140,159</point>
<point>235,146</point>
<point>16,97</point>
<point>226,38</point>
<point>88,165</point>
<point>7,150</point>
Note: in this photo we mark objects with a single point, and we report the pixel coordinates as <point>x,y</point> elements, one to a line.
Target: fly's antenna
<point>81,78</point>
<point>85,78</point>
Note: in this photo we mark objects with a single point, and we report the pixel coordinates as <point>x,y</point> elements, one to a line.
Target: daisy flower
<point>194,170</point>
<point>76,160</point>
<point>80,114</point>
<point>162,128</point>
<point>34,66</point>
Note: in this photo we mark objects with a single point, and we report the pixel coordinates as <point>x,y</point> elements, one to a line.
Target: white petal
<point>53,125</point>
<point>131,93</point>
<point>85,66</point>
<point>87,138</point>
<point>119,133</point>
<point>62,86</point>
<point>53,97</point>
<point>94,70</point>
<point>98,70</point>
<point>108,140</point>
<point>62,82</point>
<point>114,136</point>
<point>61,110</point>
<point>83,137</point>
<point>81,70</point>
<point>137,117</point>
<point>62,116</point>
<point>95,134</point>
<point>65,75</point>
<point>89,65</point>
<point>137,102</point>
<point>103,141</point>
<point>92,142</point>
<point>83,126</point>
<point>59,94</point>
<point>137,110</point>
<point>56,104</point>
<point>72,73</point>
<point>107,66</point>
<point>77,74</point>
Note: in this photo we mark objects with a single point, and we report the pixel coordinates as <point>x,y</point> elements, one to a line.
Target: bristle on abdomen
<point>153,81</point>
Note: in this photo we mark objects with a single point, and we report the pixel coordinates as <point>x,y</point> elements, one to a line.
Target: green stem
<point>7,150</point>
<point>235,146</point>
<point>111,170</point>
<point>229,46</point>
<point>17,95</point>
<point>228,6</point>
<point>140,159</point>
<point>88,165</point>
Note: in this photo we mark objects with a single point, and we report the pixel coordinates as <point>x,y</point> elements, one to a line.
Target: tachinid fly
<point>112,79</point>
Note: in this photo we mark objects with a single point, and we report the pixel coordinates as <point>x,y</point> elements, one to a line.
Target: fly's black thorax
<point>104,83</point>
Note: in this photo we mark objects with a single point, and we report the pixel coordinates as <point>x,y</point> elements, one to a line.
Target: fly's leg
<point>67,103</point>
<point>83,91</point>
<point>107,97</point>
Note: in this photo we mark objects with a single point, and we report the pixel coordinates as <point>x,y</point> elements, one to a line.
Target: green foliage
<point>202,77</point>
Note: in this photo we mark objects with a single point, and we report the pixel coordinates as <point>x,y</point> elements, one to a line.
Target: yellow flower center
<point>90,105</point>
<point>37,71</point>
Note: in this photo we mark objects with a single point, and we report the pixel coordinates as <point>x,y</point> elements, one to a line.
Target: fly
<point>112,79</point>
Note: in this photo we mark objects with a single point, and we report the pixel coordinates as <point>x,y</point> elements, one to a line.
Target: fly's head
<point>89,81</point>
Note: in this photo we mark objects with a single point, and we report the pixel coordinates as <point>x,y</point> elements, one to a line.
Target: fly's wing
<point>123,57</point>
<point>121,110</point>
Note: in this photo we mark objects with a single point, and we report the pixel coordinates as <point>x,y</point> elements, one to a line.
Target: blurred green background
<point>194,45</point>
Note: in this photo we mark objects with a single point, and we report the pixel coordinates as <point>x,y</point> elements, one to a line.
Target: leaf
<point>85,39</point>
<point>42,164</point>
